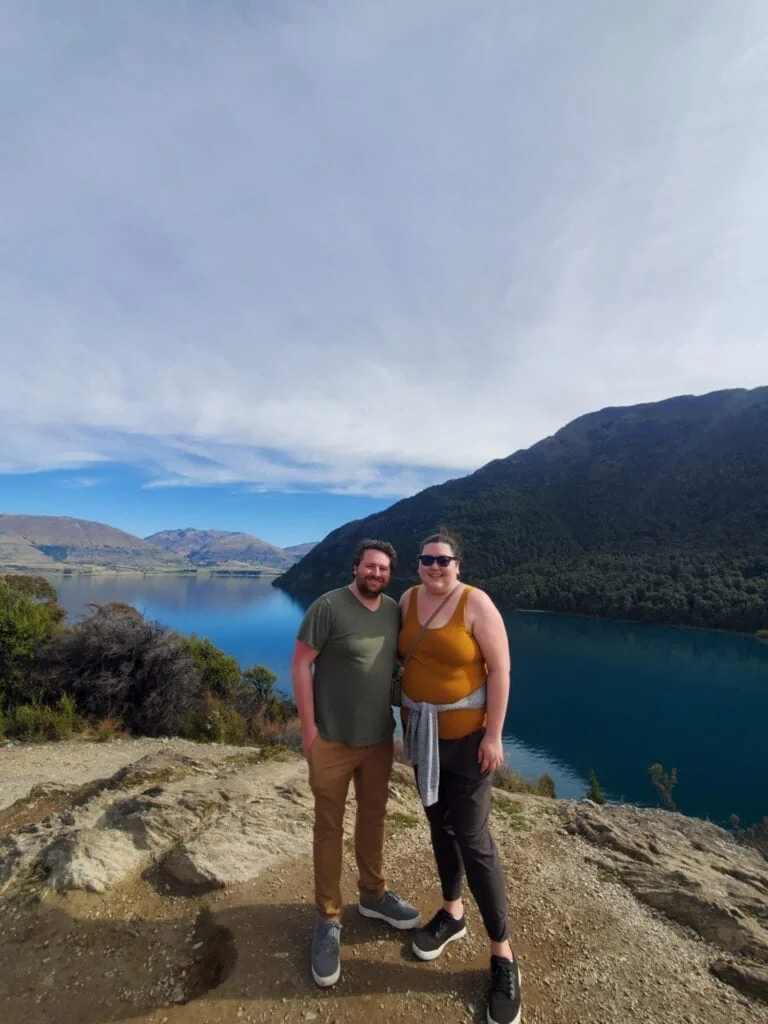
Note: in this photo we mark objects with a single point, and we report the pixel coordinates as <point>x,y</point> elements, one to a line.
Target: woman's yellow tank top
<point>447,665</point>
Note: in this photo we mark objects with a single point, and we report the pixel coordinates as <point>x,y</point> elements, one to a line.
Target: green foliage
<point>258,701</point>
<point>511,812</point>
<point>29,618</point>
<point>653,513</point>
<point>261,679</point>
<point>40,722</point>
<point>594,792</point>
<point>663,783</point>
<point>216,722</point>
<point>400,821</point>
<point>219,673</point>
<point>115,671</point>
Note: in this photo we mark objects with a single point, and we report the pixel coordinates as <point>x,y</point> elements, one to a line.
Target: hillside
<point>654,512</point>
<point>207,548</point>
<point>57,541</point>
<point>161,880</point>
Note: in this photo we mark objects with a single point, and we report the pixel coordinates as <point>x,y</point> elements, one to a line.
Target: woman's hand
<point>490,754</point>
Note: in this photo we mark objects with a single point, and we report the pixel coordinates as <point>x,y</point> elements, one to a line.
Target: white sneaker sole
<point>403,926</point>
<point>490,1019</point>
<point>433,954</point>
<point>326,982</point>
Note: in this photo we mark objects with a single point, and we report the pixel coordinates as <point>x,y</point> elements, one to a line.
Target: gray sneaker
<point>326,940</point>
<point>392,909</point>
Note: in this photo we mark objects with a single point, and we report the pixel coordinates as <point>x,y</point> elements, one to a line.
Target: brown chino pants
<point>331,767</point>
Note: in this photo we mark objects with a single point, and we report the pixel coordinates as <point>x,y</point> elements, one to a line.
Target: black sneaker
<point>431,940</point>
<point>504,993</point>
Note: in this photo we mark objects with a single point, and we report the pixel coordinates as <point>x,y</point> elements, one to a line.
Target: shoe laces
<point>328,940</point>
<point>504,976</point>
<point>439,922</point>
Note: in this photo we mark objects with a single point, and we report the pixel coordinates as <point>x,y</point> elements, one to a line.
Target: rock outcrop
<point>692,872</point>
<point>203,824</point>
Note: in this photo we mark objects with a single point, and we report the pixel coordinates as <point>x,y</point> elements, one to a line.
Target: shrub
<point>664,783</point>
<point>256,697</point>
<point>117,665</point>
<point>219,673</point>
<point>755,835</point>
<point>29,617</point>
<point>594,792</point>
<point>106,729</point>
<point>508,780</point>
<point>216,722</point>
<point>546,786</point>
<point>39,722</point>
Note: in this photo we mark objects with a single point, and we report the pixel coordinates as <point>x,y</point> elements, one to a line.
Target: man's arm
<point>491,634</point>
<point>301,677</point>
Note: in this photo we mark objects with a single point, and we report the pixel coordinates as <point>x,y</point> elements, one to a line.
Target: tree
<point>29,618</point>
<point>262,680</point>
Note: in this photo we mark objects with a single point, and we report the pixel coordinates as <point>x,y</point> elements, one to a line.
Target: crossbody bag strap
<point>424,628</point>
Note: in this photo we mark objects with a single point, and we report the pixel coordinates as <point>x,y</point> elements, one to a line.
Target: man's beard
<point>371,588</point>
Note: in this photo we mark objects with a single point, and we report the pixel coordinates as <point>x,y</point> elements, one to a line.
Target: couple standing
<point>455,687</point>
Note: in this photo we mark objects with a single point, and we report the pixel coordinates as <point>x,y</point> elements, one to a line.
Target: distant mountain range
<point>60,542</point>
<point>656,512</point>
<point>222,548</point>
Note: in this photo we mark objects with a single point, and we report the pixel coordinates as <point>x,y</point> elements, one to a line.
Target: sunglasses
<point>442,560</point>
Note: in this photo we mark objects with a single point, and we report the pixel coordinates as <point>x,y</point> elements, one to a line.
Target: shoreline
<point>132,570</point>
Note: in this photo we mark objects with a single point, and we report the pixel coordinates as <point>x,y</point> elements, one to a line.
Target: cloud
<point>364,247</point>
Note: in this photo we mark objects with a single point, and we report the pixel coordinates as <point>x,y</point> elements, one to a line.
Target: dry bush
<point>118,666</point>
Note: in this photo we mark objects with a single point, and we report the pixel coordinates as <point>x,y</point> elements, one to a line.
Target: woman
<point>454,694</point>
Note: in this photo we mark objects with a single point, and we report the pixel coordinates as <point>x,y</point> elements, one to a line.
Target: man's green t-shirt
<point>353,669</point>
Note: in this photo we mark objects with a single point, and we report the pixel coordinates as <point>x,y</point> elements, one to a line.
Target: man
<point>349,638</point>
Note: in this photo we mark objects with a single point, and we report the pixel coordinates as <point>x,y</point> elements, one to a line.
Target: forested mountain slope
<point>656,512</point>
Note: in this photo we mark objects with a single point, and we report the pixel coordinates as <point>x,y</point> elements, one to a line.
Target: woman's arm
<point>490,632</point>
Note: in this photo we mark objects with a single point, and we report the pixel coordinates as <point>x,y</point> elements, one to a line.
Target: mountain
<point>222,548</point>
<point>299,550</point>
<point>28,542</point>
<point>655,512</point>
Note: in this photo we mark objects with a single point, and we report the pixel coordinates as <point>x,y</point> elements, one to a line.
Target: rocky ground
<point>170,882</point>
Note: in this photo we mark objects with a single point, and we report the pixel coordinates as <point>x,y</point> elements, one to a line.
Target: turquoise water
<point>585,694</point>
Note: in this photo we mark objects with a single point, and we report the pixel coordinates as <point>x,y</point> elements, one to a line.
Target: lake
<point>586,694</point>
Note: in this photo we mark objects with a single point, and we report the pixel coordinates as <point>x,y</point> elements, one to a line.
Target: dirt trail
<point>590,954</point>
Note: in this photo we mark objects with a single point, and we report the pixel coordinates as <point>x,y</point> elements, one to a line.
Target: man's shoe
<point>393,910</point>
<point>431,940</point>
<point>326,966</point>
<point>504,993</point>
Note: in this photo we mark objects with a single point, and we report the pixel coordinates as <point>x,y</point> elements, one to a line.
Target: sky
<point>275,266</point>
